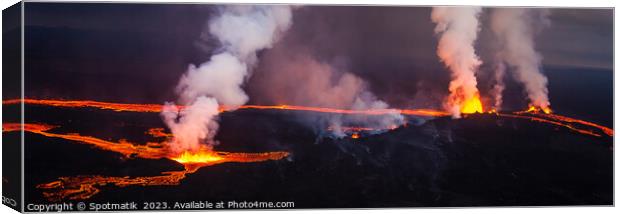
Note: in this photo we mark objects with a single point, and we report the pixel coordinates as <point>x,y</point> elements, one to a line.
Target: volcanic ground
<point>479,160</point>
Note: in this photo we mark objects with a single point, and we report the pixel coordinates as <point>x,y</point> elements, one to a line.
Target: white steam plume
<point>458,30</point>
<point>242,31</point>
<point>498,88</point>
<point>192,124</point>
<point>515,28</point>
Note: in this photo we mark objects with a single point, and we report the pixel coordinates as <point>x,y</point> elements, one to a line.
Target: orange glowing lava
<point>84,187</point>
<point>581,126</point>
<point>158,132</point>
<point>91,104</point>
<point>10,127</point>
<point>355,136</point>
<point>534,109</point>
<point>150,150</point>
<point>158,108</point>
<point>472,105</point>
<point>198,157</point>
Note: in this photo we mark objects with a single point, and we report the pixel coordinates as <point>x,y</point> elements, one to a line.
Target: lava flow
<point>89,103</point>
<point>570,123</point>
<point>151,150</point>
<point>469,107</point>
<point>158,108</point>
<point>84,187</point>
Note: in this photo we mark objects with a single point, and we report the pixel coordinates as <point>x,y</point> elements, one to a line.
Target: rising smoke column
<point>458,30</point>
<point>514,29</point>
<point>290,74</point>
<point>241,31</point>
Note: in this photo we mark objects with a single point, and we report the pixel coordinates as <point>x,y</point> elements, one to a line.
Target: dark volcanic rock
<point>481,160</point>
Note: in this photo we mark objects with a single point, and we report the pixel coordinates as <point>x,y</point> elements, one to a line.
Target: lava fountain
<point>473,105</point>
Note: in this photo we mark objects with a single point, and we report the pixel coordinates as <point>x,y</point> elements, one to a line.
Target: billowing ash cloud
<point>241,31</point>
<point>291,75</point>
<point>514,29</point>
<point>458,30</point>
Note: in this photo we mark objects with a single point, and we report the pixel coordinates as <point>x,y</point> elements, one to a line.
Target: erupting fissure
<point>473,105</point>
<point>534,109</point>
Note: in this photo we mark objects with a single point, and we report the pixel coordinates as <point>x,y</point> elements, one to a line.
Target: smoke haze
<point>291,75</point>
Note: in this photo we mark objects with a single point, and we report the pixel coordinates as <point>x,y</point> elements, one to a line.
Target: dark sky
<point>137,52</point>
